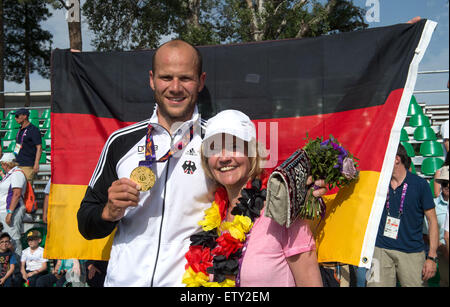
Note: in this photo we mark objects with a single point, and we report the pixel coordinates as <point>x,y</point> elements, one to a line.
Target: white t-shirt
<point>13,179</point>
<point>33,260</point>
<point>47,187</point>
<point>446,223</point>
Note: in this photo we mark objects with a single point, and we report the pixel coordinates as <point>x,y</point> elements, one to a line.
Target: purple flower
<point>348,169</point>
<point>342,152</point>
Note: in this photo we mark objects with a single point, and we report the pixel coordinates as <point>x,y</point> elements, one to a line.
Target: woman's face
<point>4,166</point>
<point>228,161</point>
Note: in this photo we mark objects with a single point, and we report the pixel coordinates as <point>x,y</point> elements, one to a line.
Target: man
<point>28,145</point>
<point>441,203</point>
<point>153,227</point>
<point>399,248</point>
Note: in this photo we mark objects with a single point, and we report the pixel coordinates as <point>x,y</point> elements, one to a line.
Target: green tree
<point>27,47</point>
<point>122,25</point>
<point>131,24</point>
<point>250,20</point>
<point>197,22</point>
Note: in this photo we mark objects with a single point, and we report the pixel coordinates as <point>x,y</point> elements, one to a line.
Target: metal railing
<point>431,72</point>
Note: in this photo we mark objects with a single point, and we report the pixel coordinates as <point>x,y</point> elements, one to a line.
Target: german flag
<point>355,86</point>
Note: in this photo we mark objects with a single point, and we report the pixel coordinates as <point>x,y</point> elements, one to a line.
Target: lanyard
<point>150,155</point>
<point>402,201</point>
<point>23,135</point>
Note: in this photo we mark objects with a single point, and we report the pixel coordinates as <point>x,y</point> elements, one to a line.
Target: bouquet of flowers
<point>332,163</point>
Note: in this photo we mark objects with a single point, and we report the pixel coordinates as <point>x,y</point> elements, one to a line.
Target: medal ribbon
<point>402,201</point>
<point>150,155</point>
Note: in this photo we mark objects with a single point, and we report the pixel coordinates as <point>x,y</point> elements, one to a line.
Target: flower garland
<point>217,249</point>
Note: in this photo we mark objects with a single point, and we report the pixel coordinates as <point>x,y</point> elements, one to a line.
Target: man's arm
<point>429,268</point>
<point>37,158</point>
<point>90,222</point>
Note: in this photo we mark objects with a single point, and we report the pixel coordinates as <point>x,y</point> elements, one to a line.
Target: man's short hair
<point>177,43</point>
<point>401,152</point>
<point>5,235</point>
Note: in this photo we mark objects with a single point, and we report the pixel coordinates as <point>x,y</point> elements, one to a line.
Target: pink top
<point>264,263</point>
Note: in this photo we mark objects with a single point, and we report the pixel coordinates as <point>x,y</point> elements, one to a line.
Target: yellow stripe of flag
<point>64,241</point>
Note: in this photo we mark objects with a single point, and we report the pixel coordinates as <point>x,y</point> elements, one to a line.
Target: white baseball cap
<point>8,157</point>
<point>231,122</point>
<point>443,175</point>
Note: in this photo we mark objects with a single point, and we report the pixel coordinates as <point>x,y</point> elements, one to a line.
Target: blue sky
<point>390,12</point>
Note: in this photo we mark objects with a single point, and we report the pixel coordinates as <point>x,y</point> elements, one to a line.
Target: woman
<point>12,190</point>
<point>239,245</point>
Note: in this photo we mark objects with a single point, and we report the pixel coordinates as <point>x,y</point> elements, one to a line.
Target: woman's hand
<point>319,188</point>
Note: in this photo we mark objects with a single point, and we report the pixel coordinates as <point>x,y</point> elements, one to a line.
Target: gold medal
<point>143,176</point>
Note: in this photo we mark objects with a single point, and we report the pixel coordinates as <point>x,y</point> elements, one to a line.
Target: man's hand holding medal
<point>122,193</point>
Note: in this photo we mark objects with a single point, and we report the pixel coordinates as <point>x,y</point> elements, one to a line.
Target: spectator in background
<point>399,248</point>
<point>436,185</point>
<point>446,231</point>
<point>12,189</point>
<point>441,203</point>
<point>34,265</point>
<point>61,272</point>
<point>28,145</point>
<point>7,261</point>
<point>444,134</point>
<point>45,208</point>
<point>96,273</point>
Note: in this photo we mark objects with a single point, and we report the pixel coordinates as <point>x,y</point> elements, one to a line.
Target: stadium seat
<point>45,114</point>
<point>424,133</point>
<point>430,165</point>
<point>10,134</point>
<point>413,168</point>
<point>404,136</point>
<point>48,134</point>
<point>10,147</point>
<point>432,186</point>
<point>409,149</point>
<point>43,159</point>
<point>34,114</point>
<point>44,145</point>
<point>11,115</point>
<point>35,122</point>
<point>2,116</point>
<point>46,124</point>
<point>11,124</point>
<point>419,120</point>
<point>414,108</point>
<point>431,149</point>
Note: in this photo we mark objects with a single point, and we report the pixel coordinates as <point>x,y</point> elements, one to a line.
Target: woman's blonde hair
<point>256,160</point>
<point>11,164</point>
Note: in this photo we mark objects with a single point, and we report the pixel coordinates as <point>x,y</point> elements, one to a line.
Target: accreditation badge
<point>391,227</point>
<point>17,149</point>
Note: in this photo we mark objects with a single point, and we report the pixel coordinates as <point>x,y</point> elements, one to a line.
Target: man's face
<point>4,244</point>
<point>445,188</point>
<point>20,118</point>
<point>34,242</point>
<point>176,83</point>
